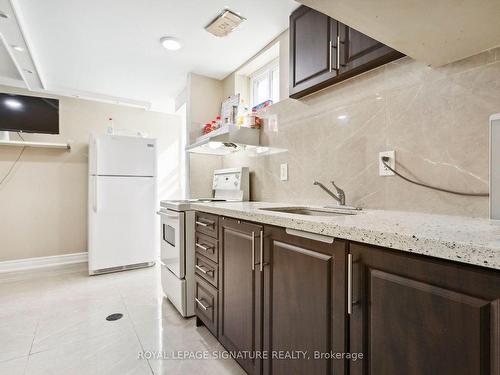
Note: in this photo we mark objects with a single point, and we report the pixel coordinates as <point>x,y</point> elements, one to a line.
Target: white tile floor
<point>53,322</point>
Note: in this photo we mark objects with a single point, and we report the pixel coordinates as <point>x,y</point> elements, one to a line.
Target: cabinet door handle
<point>204,248</point>
<point>261,250</point>
<point>338,52</point>
<point>202,270</point>
<point>349,284</point>
<point>202,224</point>
<point>200,303</point>
<point>253,251</point>
<point>330,56</point>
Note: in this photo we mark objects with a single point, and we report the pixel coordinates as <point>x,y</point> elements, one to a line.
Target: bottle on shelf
<point>110,129</point>
<point>242,112</point>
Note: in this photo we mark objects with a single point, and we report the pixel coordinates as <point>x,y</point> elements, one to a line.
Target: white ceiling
<point>7,68</point>
<point>111,48</point>
<point>17,68</point>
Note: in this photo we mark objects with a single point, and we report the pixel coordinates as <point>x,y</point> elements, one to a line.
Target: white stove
<point>184,204</point>
<point>178,235</point>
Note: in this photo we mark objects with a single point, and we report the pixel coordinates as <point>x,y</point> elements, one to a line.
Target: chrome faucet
<point>339,197</point>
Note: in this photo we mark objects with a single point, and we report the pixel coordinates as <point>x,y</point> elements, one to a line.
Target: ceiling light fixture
<point>13,104</point>
<point>170,43</point>
<point>18,48</point>
<point>342,117</point>
<point>224,23</point>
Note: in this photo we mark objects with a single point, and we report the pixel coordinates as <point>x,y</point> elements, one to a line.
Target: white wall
<point>204,99</point>
<point>238,83</point>
<point>436,119</point>
<point>43,204</point>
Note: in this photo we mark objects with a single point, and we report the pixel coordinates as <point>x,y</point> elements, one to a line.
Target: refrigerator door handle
<point>96,186</point>
<point>96,173</point>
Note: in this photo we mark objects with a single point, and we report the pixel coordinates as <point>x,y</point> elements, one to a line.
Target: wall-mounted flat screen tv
<point>29,114</point>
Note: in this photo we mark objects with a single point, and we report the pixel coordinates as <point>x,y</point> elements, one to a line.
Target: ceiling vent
<point>224,23</point>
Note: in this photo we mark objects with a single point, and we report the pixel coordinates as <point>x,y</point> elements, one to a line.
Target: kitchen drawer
<point>207,269</point>
<point>206,304</point>
<point>207,246</point>
<point>207,224</point>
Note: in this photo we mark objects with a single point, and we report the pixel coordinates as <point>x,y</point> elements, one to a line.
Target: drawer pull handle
<point>200,303</point>
<point>206,272</point>
<point>203,224</point>
<point>204,248</point>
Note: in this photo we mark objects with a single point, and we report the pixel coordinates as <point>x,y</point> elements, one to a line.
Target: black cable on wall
<point>13,164</point>
<point>385,159</point>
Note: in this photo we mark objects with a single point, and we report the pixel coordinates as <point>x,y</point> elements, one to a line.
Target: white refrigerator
<point>122,203</point>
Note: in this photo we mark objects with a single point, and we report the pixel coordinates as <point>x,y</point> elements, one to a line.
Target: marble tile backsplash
<point>436,119</point>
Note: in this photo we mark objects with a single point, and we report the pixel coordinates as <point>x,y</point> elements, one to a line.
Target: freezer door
<point>113,155</point>
<point>122,221</point>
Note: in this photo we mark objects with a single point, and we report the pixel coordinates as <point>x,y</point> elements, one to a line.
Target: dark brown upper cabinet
<point>324,51</point>
<point>312,54</point>
<point>359,53</point>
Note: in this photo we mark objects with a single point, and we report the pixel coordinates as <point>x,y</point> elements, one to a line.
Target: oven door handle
<point>167,215</point>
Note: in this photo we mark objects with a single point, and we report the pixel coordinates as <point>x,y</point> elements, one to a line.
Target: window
<point>265,84</point>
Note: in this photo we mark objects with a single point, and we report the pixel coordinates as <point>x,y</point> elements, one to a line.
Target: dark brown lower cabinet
<point>416,315</point>
<point>281,300</point>
<point>286,312</point>
<point>304,308</point>
<point>240,291</point>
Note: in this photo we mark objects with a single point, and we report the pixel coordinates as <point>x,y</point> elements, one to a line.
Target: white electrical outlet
<point>284,172</point>
<point>382,169</point>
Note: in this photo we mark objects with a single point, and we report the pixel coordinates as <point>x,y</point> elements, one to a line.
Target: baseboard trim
<point>42,262</point>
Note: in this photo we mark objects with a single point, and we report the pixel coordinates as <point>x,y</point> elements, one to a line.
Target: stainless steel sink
<point>313,211</point>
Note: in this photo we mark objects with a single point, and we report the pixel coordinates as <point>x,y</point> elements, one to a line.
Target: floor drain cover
<point>113,317</point>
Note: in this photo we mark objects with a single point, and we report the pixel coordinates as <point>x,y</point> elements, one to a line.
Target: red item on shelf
<point>207,128</point>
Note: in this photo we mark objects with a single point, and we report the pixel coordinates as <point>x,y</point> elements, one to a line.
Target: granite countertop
<point>463,239</point>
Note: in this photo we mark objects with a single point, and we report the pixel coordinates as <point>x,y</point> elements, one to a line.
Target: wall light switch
<point>284,172</point>
<point>382,169</point>
<point>273,123</point>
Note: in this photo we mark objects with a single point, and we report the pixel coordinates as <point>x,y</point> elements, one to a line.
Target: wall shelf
<point>215,142</point>
<point>66,146</point>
